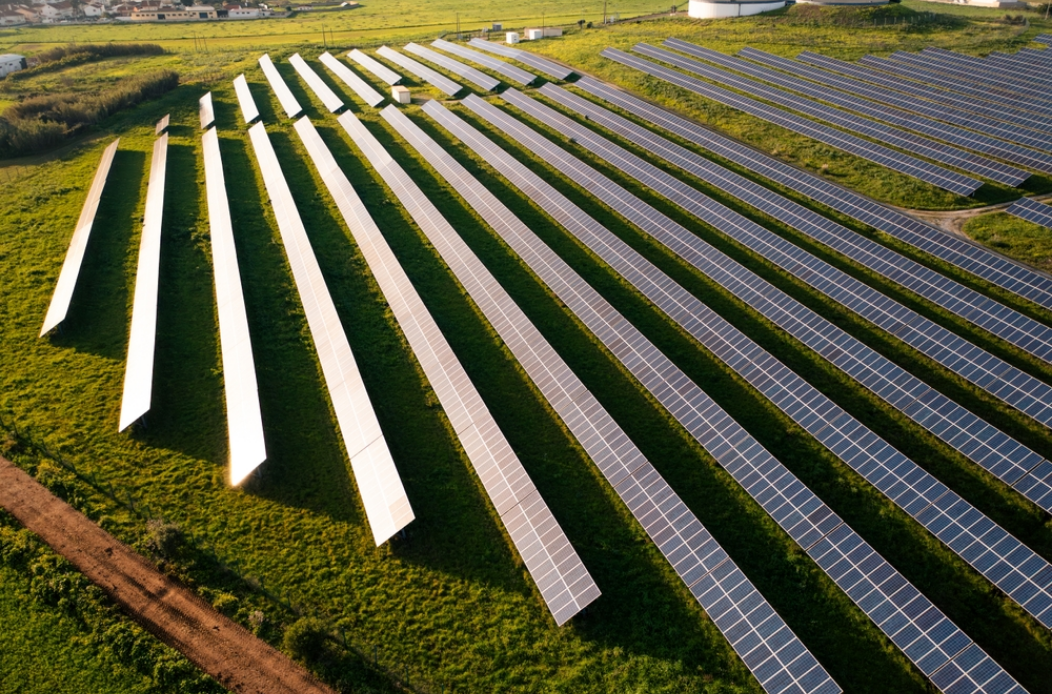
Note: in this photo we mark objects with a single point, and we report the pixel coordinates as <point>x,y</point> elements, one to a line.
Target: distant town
<point>78,11</point>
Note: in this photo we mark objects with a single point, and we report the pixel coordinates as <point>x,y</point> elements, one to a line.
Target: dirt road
<point>171,612</point>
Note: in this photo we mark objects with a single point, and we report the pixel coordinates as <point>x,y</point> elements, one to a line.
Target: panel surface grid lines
<point>244,99</point>
<point>138,371</point>
<point>384,498</point>
<point>1008,459</point>
<point>422,71</point>
<point>810,105</point>
<point>969,104</point>
<point>244,421</point>
<point>798,511</point>
<point>692,552</point>
<point>897,161</point>
<point>67,276</point>
<point>513,73</point>
<point>281,90</point>
<point>1011,137</point>
<point>552,69</point>
<point>970,257</point>
<point>374,66</point>
<point>1032,211</point>
<point>205,110</point>
<point>476,77</point>
<point>328,97</point>
<point>363,89</point>
<point>876,461</point>
<point>554,565</point>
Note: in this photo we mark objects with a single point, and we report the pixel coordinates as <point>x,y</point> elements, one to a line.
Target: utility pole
<point>458,26</point>
<point>604,11</point>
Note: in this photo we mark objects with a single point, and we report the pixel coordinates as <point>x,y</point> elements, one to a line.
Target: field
<point>450,607</point>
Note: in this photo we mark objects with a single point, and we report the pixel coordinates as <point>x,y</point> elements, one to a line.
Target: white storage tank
<point>716,9</point>
<point>400,94</point>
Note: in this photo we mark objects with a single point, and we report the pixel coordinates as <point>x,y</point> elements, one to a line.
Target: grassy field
<point>1018,238</point>
<point>450,607</point>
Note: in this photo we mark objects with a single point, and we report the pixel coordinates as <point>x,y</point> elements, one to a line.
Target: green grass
<point>451,602</point>
<point>1016,238</point>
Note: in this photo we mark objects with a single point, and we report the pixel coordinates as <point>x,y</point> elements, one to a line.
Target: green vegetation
<point>61,57</point>
<point>1017,238</point>
<point>450,607</point>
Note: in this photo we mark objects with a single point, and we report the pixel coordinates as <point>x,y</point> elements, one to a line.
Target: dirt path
<point>953,221</point>
<point>167,609</point>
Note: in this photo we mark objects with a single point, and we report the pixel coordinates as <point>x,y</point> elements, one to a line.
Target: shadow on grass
<point>98,317</point>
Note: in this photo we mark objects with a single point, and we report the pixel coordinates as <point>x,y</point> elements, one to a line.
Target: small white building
<point>7,20</point>
<point>56,12</point>
<point>400,94</point>
<point>91,9</point>
<point>11,63</point>
<point>533,34</point>
<point>716,9</point>
<point>511,37</point>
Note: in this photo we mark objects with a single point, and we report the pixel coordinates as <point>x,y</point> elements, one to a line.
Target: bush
<point>165,538</point>
<point>305,639</point>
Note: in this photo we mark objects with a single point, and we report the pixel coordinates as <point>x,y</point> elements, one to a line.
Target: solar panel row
<point>970,75</point>
<point>993,450</point>
<point>205,110</point>
<point>554,565</point>
<point>903,163</point>
<point>513,73</point>
<point>998,110</point>
<point>1003,62</point>
<point>374,66</point>
<point>796,509</point>
<point>328,97</point>
<point>70,272</point>
<point>967,256</point>
<point>138,370</point>
<point>553,70</point>
<point>386,504</point>
<point>793,668</point>
<point>1043,38</point>
<point>998,319</point>
<point>719,586</point>
<point>248,449</point>
<point>1011,136</point>
<point>162,124</point>
<point>909,486</point>
<point>937,151</point>
<point>1032,211</point>
<point>281,90</point>
<point>244,98</point>
<point>422,71</point>
<point>476,77</point>
<point>1021,74</point>
<point>926,126</point>
<point>360,87</point>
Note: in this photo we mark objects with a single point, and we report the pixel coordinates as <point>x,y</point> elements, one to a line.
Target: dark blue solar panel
<point>1032,211</point>
<point>911,166</point>
<point>973,258</point>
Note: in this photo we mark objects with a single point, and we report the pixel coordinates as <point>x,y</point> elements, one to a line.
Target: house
<point>169,13</point>
<point>89,9</point>
<point>11,63</point>
<point>56,12</point>
<point>7,20</point>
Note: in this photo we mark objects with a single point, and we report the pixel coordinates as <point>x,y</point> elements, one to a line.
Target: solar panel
<point>476,77</point>
<point>1032,211</point>
<point>205,110</point>
<point>1043,38</point>
<point>162,125</point>
<point>552,69</point>
<point>554,565</point>
<point>800,666</point>
<point>67,276</point>
<point>248,449</point>
<point>513,73</point>
<point>997,110</point>
<point>385,501</point>
<point>281,90</point>
<point>362,88</point>
<point>1018,73</point>
<point>791,504</point>
<point>245,100</point>
<point>422,71</point>
<point>138,370</point>
<point>970,74</point>
<point>937,151</point>
<point>374,66</point>
<point>1006,132</point>
<point>903,163</point>
<point>328,97</point>
<point>905,483</point>
<point>967,256</point>
<point>1034,72</point>
<point>982,443</point>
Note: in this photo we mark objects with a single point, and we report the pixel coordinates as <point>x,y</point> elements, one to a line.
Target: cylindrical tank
<point>715,9</point>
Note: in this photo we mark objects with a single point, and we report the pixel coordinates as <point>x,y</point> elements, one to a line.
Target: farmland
<point>450,606</point>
